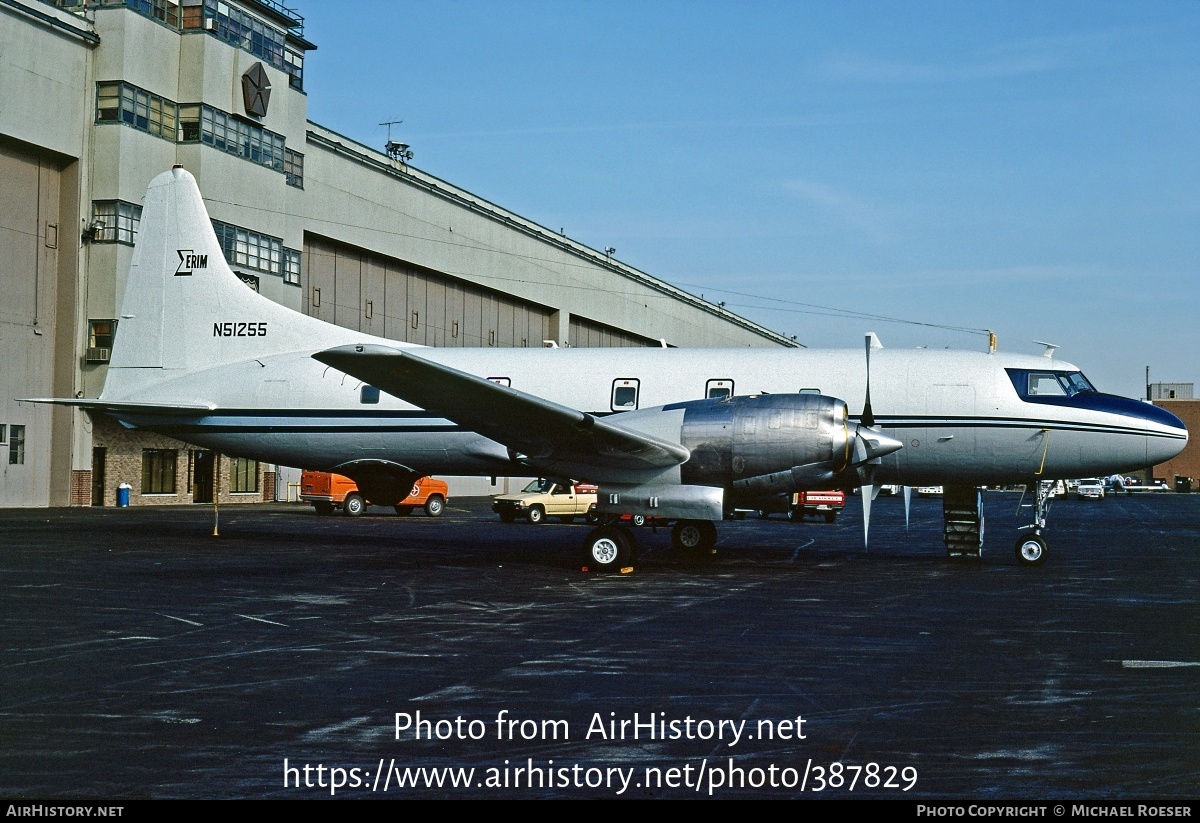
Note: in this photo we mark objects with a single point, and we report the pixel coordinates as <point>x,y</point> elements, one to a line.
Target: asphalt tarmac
<point>288,657</point>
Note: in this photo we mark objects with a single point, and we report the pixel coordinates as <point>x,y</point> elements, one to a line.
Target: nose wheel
<point>1031,550</point>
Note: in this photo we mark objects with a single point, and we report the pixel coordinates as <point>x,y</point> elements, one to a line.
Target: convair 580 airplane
<point>682,434</point>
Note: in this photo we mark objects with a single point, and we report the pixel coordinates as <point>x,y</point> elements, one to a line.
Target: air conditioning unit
<point>210,24</point>
<point>95,354</point>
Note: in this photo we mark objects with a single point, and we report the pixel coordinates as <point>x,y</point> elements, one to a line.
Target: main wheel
<point>507,517</point>
<point>796,515</point>
<point>607,548</point>
<point>435,505</point>
<point>830,517</point>
<point>1031,550</point>
<point>536,515</point>
<point>694,538</point>
<point>323,508</point>
<point>404,511</point>
<point>354,505</point>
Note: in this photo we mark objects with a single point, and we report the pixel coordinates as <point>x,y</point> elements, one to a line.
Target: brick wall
<point>81,488</point>
<point>124,465</point>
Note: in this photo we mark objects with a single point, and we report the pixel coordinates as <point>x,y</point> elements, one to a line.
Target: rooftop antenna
<point>400,152</point>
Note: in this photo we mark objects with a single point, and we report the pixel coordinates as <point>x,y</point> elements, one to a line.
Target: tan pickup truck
<point>544,498</point>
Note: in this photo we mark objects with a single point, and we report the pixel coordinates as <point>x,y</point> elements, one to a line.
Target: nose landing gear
<point>1031,548</point>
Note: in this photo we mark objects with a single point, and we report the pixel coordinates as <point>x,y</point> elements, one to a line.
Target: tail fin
<point>184,308</point>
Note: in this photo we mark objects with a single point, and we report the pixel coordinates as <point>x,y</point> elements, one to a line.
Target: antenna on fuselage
<point>1050,347</point>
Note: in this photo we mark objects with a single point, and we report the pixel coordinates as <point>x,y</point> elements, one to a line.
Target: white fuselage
<point>957,413</point>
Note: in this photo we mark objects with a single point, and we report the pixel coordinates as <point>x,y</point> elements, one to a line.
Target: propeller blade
<point>868,416</point>
<point>907,503</point>
<point>868,494</point>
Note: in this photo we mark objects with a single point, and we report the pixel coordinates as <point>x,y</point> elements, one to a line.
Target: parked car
<point>1090,488</point>
<point>329,492</point>
<point>544,498</point>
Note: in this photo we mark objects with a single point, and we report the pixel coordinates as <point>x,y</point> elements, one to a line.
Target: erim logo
<point>189,262</point>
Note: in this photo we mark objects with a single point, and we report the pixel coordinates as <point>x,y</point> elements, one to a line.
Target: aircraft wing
<point>528,425</point>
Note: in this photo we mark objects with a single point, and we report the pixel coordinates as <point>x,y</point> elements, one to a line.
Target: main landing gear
<point>1031,548</point>
<point>611,547</point>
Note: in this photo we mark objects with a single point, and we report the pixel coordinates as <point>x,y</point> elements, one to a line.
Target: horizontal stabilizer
<point>117,407</point>
<point>529,426</point>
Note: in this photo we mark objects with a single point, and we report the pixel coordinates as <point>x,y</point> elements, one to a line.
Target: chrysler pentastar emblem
<point>256,90</point>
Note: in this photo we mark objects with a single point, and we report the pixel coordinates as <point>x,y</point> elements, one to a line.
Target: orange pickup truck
<point>827,503</point>
<point>327,492</point>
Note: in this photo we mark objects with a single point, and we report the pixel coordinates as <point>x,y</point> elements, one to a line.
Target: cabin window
<point>625,394</point>
<point>368,395</point>
<point>809,391</point>
<point>718,388</point>
<point>502,381</point>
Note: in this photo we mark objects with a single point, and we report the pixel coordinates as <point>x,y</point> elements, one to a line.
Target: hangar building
<point>99,96</point>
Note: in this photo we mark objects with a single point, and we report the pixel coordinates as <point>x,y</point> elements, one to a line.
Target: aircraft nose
<point>1160,449</point>
<point>1166,435</point>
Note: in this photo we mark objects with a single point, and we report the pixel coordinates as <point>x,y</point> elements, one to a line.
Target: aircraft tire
<point>323,509</point>
<point>607,548</point>
<point>830,517</point>
<point>354,505</point>
<point>435,505</point>
<point>796,515</point>
<point>695,539</point>
<point>404,511</point>
<point>1031,550</point>
<point>507,517</point>
<point>536,515</point>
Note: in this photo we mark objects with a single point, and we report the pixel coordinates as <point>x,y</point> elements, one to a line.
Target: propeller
<point>870,445</point>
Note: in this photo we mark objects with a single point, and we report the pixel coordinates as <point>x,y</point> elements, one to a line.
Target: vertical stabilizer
<point>184,308</point>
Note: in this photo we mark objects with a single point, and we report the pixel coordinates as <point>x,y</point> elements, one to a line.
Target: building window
<point>101,334</point>
<point>293,168</point>
<point>243,475</point>
<point>191,123</point>
<point>291,267</point>
<point>158,471</point>
<point>226,133</point>
<point>247,248</point>
<point>133,106</point>
<point>16,445</point>
<point>118,221</point>
<point>165,11</point>
<point>247,32</point>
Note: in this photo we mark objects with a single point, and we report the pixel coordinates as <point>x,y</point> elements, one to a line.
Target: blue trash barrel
<point>123,494</point>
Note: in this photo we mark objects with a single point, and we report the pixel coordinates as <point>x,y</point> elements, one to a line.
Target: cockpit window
<point>1033,385</point>
<point>1045,384</point>
<point>1077,383</point>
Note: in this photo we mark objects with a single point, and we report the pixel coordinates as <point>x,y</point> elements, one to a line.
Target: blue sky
<point>1032,168</point>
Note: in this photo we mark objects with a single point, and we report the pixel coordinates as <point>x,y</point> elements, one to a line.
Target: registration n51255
<point>240,329</point>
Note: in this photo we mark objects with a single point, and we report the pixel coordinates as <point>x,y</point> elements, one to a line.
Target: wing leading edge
<point>534,428</point>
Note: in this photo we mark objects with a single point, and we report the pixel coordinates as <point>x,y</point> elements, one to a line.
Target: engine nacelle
<point>733,442</point>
